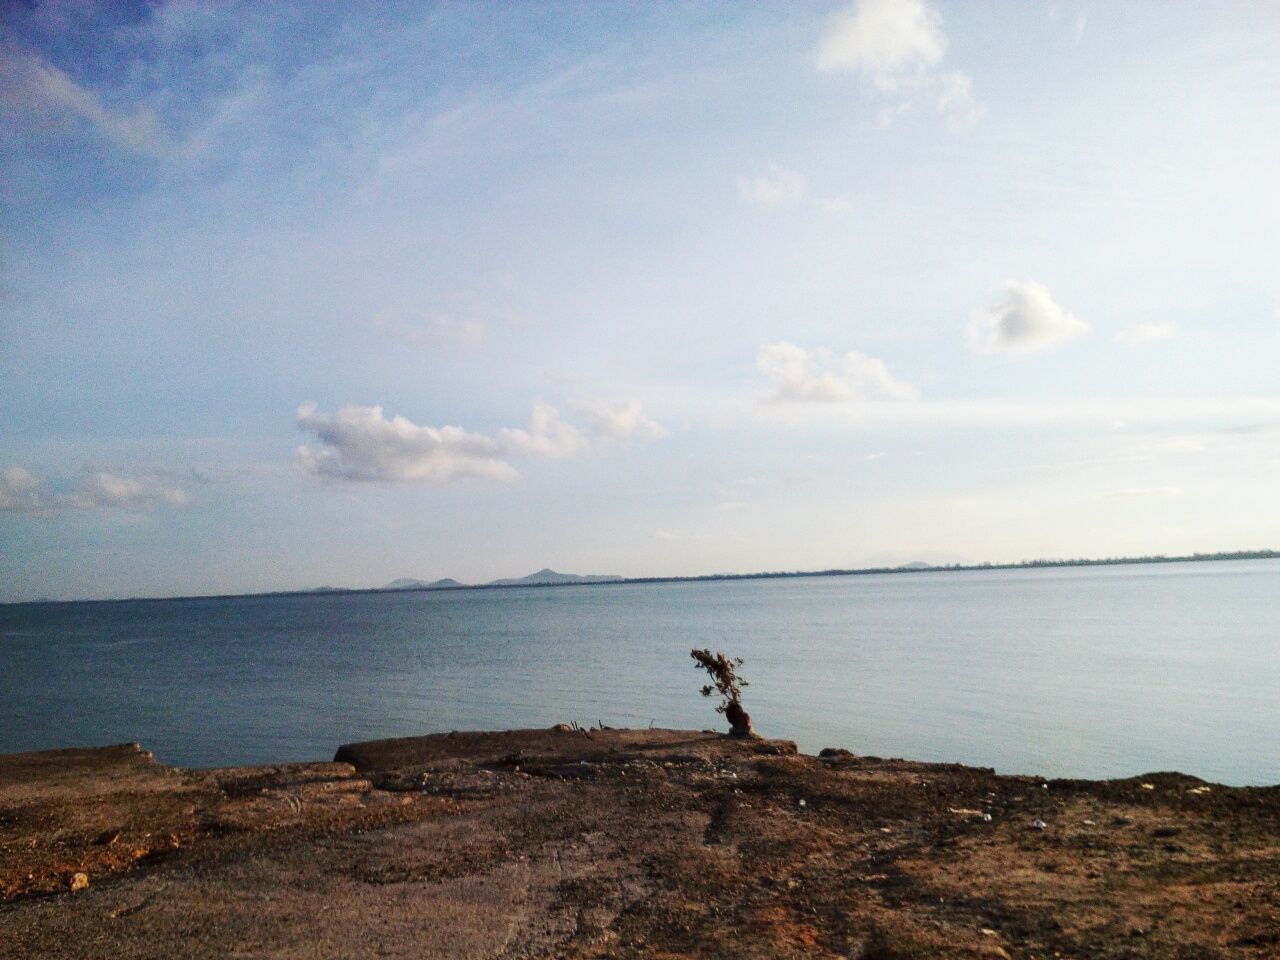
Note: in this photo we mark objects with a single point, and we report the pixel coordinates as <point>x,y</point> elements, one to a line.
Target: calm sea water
<point>1094,671</point>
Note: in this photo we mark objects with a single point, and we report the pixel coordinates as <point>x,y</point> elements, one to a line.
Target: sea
<point>1098,672</point>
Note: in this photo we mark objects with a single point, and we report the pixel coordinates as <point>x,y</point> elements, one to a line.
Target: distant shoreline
<point>700,578</point>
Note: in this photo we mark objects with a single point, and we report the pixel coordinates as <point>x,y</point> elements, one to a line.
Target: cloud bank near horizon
<point>21,491</point>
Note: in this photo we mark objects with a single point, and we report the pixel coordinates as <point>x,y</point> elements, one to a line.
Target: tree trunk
<point>739,720</point>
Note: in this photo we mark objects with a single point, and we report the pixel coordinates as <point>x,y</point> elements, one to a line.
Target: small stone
<point>1038,824</point>
<point>79,881</point>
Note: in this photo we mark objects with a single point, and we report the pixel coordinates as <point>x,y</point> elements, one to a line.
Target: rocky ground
<point>613,843</point>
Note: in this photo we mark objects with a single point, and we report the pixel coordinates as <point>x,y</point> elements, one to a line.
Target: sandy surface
<point>623,843</point>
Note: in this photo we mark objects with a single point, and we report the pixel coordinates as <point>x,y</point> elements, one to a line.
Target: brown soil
<point>624,844</point>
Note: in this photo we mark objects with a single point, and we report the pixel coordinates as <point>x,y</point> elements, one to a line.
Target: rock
<point>78,881</point>
<point>834,753</point>
<point>774,748</point>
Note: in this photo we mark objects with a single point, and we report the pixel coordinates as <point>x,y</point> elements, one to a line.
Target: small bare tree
<point>725,682</point>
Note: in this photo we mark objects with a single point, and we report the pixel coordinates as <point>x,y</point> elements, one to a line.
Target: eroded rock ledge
<point>631,843</point>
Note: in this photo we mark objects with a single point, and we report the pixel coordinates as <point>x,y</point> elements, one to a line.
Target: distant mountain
<point>547,575</point>
<point>916,565</point>
<point>408,583</point>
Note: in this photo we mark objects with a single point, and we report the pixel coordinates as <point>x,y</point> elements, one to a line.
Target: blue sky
<point>301,295</point>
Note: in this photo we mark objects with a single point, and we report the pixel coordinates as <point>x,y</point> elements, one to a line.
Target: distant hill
<point>408,583</point>
<point>543,577</point>
<point>547,575</point>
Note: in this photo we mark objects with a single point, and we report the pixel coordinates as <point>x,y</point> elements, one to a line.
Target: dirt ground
<point>615,843</point>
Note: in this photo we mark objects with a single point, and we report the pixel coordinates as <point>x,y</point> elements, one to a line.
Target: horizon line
<point>910,567</point>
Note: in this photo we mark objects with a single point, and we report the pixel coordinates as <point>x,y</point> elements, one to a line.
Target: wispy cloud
<point>620,421</point>
<point>103,488</point>
<point>43,93</point>
<point>1141,334</point>
<point>802,376</point>
<point>1143,493</point>
<point>1024,319</point>
<point>1179,412</point>
<point>1077,22</point>
<point>898,46</point>
<point>777,188</point>
<point>436,331</point>
<point>20,490</point>
<point>548,435</point>
<point>1078,28</point>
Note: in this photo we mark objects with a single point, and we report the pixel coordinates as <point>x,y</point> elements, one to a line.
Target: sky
<point>317,294</point>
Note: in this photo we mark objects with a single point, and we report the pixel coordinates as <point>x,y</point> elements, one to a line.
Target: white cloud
<point>548,435</point>
<point>887,40</point>
<point>777,188</point>
<point>23,492</point>
<point>19,490</point>
<point>798,375</point>
<point>436,331</point>
<point>620,421</point>
<point>41,90</point>
<point>103,488</point>
<point>1025,319</point>
<point>840,206</point>
<point>1078,28</point>
<point>1143,333</point>
<point>898,46</point>
<point>361,444</point>
<point>955,99</point>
